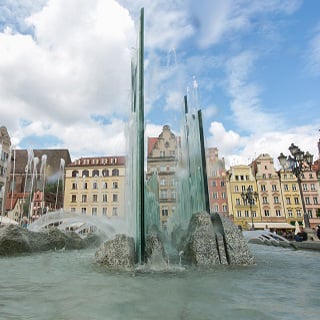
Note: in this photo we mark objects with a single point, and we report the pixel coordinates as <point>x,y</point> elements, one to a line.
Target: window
<point>315,200</point>
<point>290,213</point>
<point>94,211</point>
<point>246,213</point>
<point>75,173</point>
<point>94,198</point>
<point>163,194</point>
<point>104,198</point>
<point>164,211</point>
<point>278,213</point>
<point>288,201</point>
<point>307,200</point>
<point>115,185</point>
<point>298,213</point>
<point>236,188</point>
<point>215,195</point>
<point>265,200</point>
<point>115,198</point>
<point>254,214</point>
<point>95,173</point>
<point>222,183</point>
<point>294,187</point>
<point>162,154</point>
<point>304,187</point>
<point>296,200</point>
<point>237,201</point>
<point>172,153</point>
<point>105,172</point>
<point>85,185</point>
<point>224,208</point>
<point>115,172</point>
<point>286,188</point>
<point>73,198</point>
<point>104,211</point>
<point>276,199</point>
<point>274,187</point>
<point>309,212</point>
<point>95,185</point>
<point>85,173</point>
<point>266,213</point>
<point>74,186</point>
<point>313,187</point>
<point>264,176</point>
<point>239,213</point>
<point>213,184</point>
<point>243,188</point>
<point>173,194</point>
<point>114,211</point>
<point>162,182</point>
<point>223,195</point>
<point>104,185</point>
<point>83,210</point>
<point>172,182</point>
<point>263,187</point>
<point>84,198</point>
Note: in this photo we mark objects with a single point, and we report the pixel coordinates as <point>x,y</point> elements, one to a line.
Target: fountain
<point>205,239</point>
<point>62,284</point>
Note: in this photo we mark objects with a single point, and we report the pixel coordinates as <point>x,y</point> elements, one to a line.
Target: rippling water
<point>68,285</point>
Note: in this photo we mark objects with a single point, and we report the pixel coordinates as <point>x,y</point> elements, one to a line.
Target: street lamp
<point>250,197</point>
<point>297,163</point>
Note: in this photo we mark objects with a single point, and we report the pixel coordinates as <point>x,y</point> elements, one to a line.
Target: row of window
<point>215,195</point>
<point>266,213</point>
<point>167,194</point>
<point>95,173</point>
<point>214,183</point>
<point>84,198</point>
<point>163,169</point>
<point>95,185</point>
<point>94,211</point>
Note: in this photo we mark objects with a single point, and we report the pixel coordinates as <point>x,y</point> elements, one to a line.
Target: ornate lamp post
<point>297,163</point>
<point>250,197</point>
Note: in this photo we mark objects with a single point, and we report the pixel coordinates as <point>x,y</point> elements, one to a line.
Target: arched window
<point>75,173</point>
<point>115,172</point>
<point>95,173</point>
<point>85,173</point>
<point>105,173</point>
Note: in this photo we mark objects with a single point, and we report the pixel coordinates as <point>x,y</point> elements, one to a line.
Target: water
<point>69,285</point>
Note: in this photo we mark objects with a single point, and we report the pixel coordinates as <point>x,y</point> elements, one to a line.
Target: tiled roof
<point>99,161</point>
<point>54,157</point>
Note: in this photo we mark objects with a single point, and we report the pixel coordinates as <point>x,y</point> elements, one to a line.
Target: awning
<point>271,225</point>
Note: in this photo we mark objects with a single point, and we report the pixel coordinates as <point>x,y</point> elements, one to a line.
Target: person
<point>301,236</point>
<point>318,231</point>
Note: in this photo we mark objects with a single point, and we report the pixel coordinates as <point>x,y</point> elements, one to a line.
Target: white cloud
<point>73,66</point>
<point>242,150</point>
<point>245,103</point>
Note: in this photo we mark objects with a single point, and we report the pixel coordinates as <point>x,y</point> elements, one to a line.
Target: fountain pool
<point>284,284</point>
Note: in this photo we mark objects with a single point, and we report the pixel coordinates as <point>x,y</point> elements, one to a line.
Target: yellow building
<point>162,159</point>
<point>270,194</point>
<point>292,202</point>
<point>95,186</point>
<point>239,179</point>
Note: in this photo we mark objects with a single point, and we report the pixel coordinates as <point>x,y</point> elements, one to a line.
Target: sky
<point>251,66</point>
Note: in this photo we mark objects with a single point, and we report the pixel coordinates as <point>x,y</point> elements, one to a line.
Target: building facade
<point>269,190</point>
<point>32,172</point>
<point>5,150</point>
<point>216,175</point>
<point>95,186</point>
<point>239,179</point>
<point>162,160</point>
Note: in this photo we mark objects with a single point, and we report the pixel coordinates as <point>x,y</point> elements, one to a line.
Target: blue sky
<point>254,67</point>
